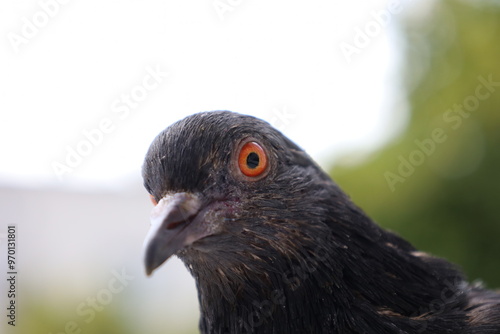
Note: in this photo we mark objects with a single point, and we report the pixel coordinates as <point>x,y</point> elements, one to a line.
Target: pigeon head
<point>227,186</point>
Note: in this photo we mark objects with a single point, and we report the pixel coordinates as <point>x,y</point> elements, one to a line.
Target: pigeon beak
<point>175,224</point>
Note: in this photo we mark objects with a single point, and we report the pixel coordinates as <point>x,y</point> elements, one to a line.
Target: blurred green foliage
<point>445,199</point>
<point>113,318</point>
<point>46,320</point>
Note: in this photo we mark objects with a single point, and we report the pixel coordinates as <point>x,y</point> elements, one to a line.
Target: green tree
<point>438,183</point>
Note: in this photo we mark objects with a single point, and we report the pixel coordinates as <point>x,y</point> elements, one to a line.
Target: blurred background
<point>397,100</point>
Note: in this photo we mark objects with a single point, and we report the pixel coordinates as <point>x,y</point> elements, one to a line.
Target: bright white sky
<point>70,71</point>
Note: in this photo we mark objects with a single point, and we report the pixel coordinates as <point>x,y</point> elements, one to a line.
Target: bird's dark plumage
<point>286,251</point>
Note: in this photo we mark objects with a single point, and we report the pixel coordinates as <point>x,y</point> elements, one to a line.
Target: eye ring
<point>252,160</point>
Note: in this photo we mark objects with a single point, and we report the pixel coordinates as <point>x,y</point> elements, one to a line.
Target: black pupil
<point>252,160</point>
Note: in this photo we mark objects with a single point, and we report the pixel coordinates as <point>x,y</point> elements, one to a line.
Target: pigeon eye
<point>252,159</point>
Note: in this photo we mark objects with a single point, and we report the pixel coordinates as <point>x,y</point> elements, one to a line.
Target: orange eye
<point>152,198</point>
<point>252,160</point>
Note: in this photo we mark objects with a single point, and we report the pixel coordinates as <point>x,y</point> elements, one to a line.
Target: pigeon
<point>275,246</point>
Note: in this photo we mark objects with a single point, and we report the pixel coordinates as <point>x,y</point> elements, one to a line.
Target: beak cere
<point>175,224</point>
